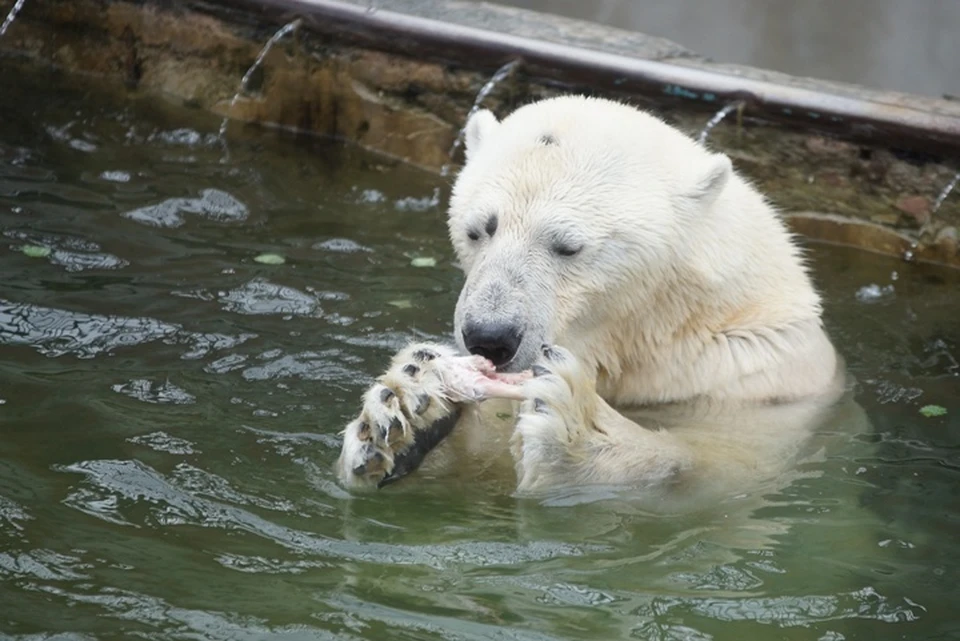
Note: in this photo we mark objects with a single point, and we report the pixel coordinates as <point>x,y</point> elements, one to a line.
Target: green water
<point>170,410</point>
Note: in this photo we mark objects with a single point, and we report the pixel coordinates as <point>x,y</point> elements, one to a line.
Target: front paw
<point>559,385</point>
<point>555,419</point>
<point>408,412</point>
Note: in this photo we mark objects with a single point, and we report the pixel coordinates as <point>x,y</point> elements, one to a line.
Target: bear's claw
<point>412,408</point>
<point>417,403</point>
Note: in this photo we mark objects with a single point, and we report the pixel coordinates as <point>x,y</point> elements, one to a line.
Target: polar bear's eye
<point>473,234</point>
<point>491,226</point>
<point>566,249</point>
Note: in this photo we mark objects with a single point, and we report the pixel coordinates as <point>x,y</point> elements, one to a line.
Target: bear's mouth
<point>520,362</point>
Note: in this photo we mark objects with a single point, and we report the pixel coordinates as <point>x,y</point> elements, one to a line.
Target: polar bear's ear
<point>479,126</point>
<point>713,178</point>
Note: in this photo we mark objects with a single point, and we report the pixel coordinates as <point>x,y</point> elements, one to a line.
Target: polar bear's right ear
<point>715,174</point>
<point>479,126</point>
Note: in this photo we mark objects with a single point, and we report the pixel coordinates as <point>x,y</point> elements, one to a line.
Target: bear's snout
<point>497,342</point>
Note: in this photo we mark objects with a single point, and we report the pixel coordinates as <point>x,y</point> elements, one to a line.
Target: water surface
<point>170,410</point>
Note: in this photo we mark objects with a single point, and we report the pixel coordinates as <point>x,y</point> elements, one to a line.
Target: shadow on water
<point>170,410</point>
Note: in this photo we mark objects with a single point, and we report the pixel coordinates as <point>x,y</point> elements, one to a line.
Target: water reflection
<point>73,254</point>
<point>57,332</point>
<point>261,297</point>
<point>213,204</point>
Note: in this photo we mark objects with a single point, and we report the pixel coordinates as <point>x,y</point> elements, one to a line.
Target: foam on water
<point>341,246</point>
<point>163,442</point>
<point>57,332</point>
<point>73,254</point>
<point>155,392</point>
<point>213,204</point>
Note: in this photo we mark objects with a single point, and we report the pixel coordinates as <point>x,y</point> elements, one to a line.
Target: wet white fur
<point>687,288</point>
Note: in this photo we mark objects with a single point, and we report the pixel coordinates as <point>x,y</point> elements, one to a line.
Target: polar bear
<point>637,312</point>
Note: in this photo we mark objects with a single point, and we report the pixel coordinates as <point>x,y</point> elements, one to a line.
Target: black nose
<point>497,342</point>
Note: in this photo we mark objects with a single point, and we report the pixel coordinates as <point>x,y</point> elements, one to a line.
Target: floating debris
<point>401,304</point>
<point>932,411</point>
<point>270,259</point>
<point>73,254</point>
<point>424,261</point>
<point>35,251</point>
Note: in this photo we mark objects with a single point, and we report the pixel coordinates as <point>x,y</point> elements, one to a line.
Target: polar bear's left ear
<point>479,127</point>
<point>715,173</point>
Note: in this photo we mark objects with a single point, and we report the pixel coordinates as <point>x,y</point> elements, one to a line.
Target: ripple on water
<point>12,516</point>
<point>340,246</point>
<point>73,254</point>
<point>183,137</point>
<point>865,603</point>
<point>116,176</point>
<point>132,493</point>
<point>213,204</point>
<point>873,293</point>
<point>62,134</point>
<point>325,366</point>
<point>368,196</point>
<point>45,565</point>
<point>57,332</point>
<point>226,364</point>
<point>154,392</point>
<point>200,482</point>
<point>261,297</point>
<point>435,625</point>
<point>388,341</point>
<point>411,204</point>
<point>263,565</point>
<point>170,621</point>
<point>163,442</point>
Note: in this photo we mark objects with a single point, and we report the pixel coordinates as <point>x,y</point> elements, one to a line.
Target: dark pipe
<point>860,119</point>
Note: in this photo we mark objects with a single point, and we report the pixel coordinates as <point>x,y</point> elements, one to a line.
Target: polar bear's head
<point>568,214</point>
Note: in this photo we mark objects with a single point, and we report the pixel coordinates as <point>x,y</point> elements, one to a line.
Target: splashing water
<point>946,192</point>
<point>501,74</point>
<point>245,81</point>
<point>910,253</point>
<point>717,118</point>
<point>11,16</point>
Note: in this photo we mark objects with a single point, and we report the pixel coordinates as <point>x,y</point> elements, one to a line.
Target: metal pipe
<point>859,119</point>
